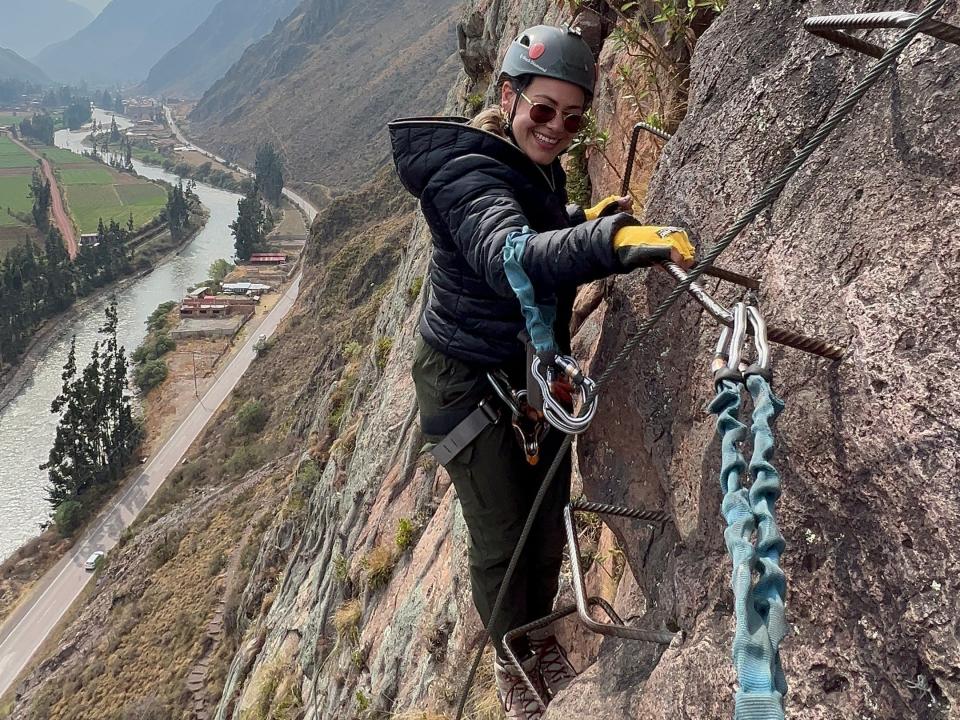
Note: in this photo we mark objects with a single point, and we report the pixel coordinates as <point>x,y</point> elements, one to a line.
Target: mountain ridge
<point>401,53</point>
<point>123,42</point>
<point>202,58</point>
<point>28,26</point>
<point>15,67</point>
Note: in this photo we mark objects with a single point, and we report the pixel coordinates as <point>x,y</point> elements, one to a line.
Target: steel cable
<point>763,200</point>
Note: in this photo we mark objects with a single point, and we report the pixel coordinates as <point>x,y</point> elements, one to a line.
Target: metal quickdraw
<point>749,513</point>
<point>557,377</point>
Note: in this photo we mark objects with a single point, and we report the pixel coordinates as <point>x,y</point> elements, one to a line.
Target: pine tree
<point>40,192</point>
<point>269,172</point>
<point>248,227</point>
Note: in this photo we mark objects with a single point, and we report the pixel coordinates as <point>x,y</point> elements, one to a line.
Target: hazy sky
<point>94,6</point>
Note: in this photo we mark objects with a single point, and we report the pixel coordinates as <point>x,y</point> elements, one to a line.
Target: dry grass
<point>346,620</point>
<point>484,704</point>
<point>378,566</point>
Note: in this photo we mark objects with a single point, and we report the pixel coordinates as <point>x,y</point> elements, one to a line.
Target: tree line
<point>97,436</point>
<point>39,127</point>
<point>37,284</point>
<point>253,219</point>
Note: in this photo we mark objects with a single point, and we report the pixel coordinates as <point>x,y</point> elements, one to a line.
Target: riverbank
<point>14,377</point>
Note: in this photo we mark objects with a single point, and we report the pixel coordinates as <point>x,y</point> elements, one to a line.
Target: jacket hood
<point>421,146</point>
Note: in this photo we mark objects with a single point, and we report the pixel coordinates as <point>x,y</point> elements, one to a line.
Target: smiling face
<point>542,142</point>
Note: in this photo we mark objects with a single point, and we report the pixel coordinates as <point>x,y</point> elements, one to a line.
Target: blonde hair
<point>492,119</point>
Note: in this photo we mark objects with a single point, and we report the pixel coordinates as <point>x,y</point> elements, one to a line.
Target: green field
<point>59,156</point>
<point>7,119</point>
<point>93,175</point>
<point>88,203</point>
<point>14,156</point>
<point>14,194</point>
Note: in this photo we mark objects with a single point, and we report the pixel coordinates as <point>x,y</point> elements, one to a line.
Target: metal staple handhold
<point>831,27</point>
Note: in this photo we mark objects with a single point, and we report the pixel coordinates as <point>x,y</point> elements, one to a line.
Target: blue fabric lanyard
<point>539,317</point>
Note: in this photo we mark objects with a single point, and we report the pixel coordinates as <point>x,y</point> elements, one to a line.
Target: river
<point>27,427</point>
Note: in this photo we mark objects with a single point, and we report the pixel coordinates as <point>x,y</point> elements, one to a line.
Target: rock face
<point>856,249</point>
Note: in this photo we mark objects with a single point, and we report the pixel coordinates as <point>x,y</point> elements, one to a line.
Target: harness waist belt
<point>466,432</point>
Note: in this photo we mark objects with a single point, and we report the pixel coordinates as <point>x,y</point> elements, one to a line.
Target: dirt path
<point>60,216</point>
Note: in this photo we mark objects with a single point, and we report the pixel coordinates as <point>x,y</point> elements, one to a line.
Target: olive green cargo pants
<point>496,487</point>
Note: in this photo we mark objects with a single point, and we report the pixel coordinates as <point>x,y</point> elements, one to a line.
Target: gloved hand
<point>644,245</point>
<point>609,206</point>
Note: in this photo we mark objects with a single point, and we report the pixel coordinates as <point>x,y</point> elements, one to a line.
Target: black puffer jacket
<point>475,189</point>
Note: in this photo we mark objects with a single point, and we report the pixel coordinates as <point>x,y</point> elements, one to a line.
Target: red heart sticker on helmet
<point>536,50</point>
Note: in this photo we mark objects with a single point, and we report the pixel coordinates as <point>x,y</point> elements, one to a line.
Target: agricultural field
<point>7,119</point>
<point>16,167</point>
<point>95,191</point>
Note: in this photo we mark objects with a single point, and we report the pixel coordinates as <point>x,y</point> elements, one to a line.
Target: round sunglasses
<point>541,113</point>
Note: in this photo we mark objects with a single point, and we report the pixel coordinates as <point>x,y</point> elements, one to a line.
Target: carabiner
<point>761,366</point>
<point>498,379</point>
<point>556,412</point>
<point>726,358</point>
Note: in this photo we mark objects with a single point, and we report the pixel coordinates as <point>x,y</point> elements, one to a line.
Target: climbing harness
<point>748,511</point>
<point>840,111</point>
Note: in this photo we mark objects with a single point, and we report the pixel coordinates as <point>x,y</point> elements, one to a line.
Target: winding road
<point>29,625</point>
<point>60,215</point>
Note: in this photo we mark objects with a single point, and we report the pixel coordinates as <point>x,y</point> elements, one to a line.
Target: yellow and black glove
<point>644,245</point>
<point>607,206</point>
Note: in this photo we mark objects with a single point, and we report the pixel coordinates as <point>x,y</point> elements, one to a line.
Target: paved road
<point>60,216</point>
<point>308,209</point>
<point>27,628</point>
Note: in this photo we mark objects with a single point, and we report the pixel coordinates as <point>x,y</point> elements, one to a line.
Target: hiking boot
<point>515,697</point>
<point>556,672</point>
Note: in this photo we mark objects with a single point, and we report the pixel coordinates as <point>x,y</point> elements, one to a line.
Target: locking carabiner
<point>760,366</point>
<point>726,357</point>
<point>560,412</point>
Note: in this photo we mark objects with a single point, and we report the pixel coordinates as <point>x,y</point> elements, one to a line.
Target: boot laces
<point>518,702</point>
<point>555,668</point>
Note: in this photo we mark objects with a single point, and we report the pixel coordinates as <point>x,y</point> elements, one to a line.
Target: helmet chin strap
<point>517,89</point>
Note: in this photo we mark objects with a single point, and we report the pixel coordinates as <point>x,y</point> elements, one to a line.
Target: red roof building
<point>268,258</point>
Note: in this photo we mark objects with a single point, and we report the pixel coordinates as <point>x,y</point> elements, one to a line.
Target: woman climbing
<point>478,184</point>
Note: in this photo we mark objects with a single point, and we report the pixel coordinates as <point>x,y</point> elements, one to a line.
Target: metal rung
<point>617,629</point>
<point>542,623</point>
<point>781,336</point>
<point>831,27</point>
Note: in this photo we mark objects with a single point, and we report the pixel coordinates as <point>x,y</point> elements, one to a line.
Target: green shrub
<point>474,103</point>
<point>382,352</point>
<point>251,418</point>
<point>154,346</point>
<point>68,516</point>
<point>158,318</point>
<point>352,350</point>
<point>150,374</point>
<point>243,459</point>
<point>413,291</point>
<point>406,533</point>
